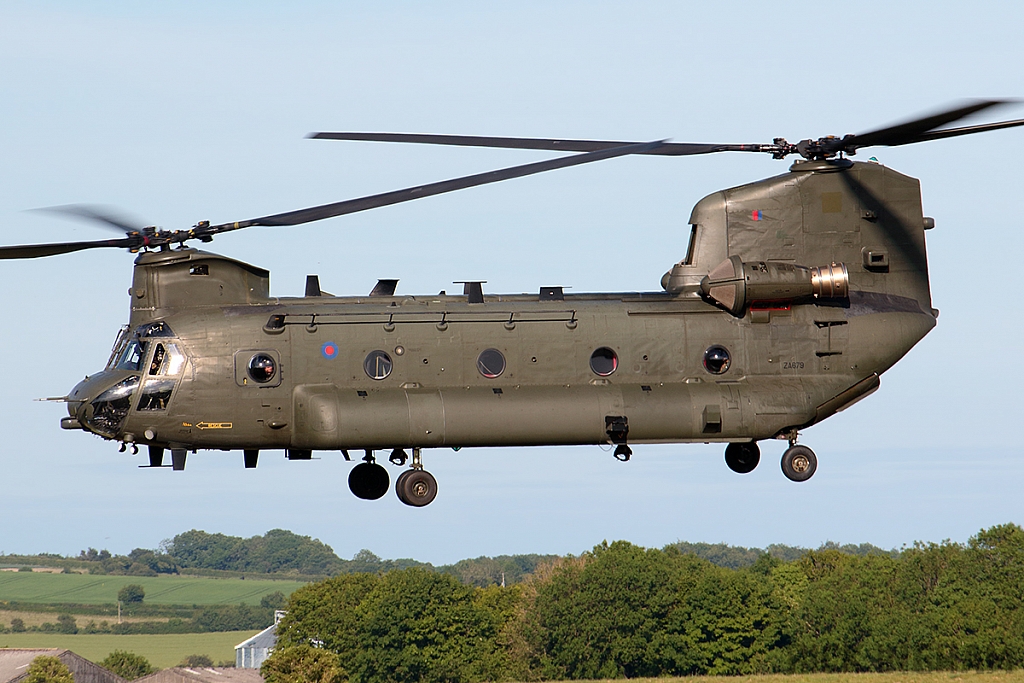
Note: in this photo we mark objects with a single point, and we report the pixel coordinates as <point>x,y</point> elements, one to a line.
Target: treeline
<point>283,552</point>
<point>625,611</point>
<point>201,620</point>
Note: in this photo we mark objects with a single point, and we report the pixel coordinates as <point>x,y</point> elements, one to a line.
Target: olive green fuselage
<point>792,363</point>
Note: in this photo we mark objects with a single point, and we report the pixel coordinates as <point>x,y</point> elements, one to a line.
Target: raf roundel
<point>329,350</point>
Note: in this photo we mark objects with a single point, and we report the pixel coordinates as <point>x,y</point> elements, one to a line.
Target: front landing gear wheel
<point>742,457</point>
<point>799,463</point>
<point>416,488</point>
<point>368,481</point>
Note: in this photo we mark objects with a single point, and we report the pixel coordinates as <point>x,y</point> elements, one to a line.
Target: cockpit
<point>142,373</point>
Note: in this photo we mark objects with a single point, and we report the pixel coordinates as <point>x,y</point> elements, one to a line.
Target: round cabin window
<point>377,365</point>
<point>262,368</point>
<point>717,359</point>
<point>603,361</point>
<point>491,363</point>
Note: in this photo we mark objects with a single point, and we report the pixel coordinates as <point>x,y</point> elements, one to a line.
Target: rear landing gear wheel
<point>799,463</point>
<point>416,488</point>
<point>742,457</point>
<point>368,481</point>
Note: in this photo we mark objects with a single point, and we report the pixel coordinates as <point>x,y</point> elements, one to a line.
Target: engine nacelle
<point>734,285</point>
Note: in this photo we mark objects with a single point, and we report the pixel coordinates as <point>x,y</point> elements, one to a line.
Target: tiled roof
<point>218,674</point>
<point>14,663</point>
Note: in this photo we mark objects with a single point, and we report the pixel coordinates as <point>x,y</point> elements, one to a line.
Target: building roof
<point>214,674</point>
<point>267,638</point>
<point>14,663</point>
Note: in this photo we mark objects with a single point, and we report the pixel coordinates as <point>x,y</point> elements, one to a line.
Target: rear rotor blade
<point>548,144</point>
<point>317,213</point>
<point>966,130</point>
<point>916,130</point>
<point>39,250</point>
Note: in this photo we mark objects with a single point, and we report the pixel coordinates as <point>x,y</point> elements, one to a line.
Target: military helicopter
<point>794,295</point>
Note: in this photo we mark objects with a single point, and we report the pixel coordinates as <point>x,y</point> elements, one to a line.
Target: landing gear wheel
<point>799,463</point>
<point>368,481</point>
<point>742,457</point>
<point>416,488</point>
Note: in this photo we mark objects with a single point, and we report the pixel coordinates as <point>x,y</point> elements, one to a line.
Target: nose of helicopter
<point>100,403</point>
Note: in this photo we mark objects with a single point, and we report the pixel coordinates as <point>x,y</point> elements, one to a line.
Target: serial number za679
<point>792,365</point>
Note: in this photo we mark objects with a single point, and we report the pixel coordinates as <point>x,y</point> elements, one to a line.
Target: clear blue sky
<point>179,112</point>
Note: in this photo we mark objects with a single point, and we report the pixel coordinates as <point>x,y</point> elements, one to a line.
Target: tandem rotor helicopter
<point>794,295</point>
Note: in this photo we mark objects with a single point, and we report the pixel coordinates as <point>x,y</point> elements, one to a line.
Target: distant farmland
<point>162,651</point>
<point>86,589</point>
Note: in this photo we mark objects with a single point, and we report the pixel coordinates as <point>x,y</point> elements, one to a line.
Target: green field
<point>87,589</point>
<point>162,651</point>
<point>900,677</point>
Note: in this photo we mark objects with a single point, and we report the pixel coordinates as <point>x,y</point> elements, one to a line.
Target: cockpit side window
<point>131,357</point>
<point>118,348</point>
<point>167,360</point>
<point>156,394</point>
<point>691,247</point>
<point>166,364</point>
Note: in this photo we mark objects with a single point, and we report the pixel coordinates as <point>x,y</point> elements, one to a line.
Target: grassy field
<point>85,589</point>
<point>40,618</point>
<point>162,651</point>
<point>907,677</point>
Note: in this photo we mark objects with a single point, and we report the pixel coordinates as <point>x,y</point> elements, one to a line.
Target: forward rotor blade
<point>40,250</point>
<point>317,213</point>
<point>549,144</point>
<point>97,214</point>
<point>917,129</point>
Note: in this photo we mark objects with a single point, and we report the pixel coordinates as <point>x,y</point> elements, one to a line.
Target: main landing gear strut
<point>416,487</point>
<point>798,462</point>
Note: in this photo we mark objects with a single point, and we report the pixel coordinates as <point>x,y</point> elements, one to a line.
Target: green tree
<point>276,551</point>
<point>45,669</point>
<point>148,562</point>
<point>206,551</point>
<point>723,624</point>
<point>423,627</point>
<point>127,665</point>
<point>604,615</point>
<point>66,624</point>
<point>325,613</point>
<point>17,625</point>
<point>275,600</point>
<point>233,618</point>
<point>197,661</point>
<point>302,664</point>
<point>489,571</point>
<point>131,593</point>
<point>282,551</point>
<point>510,659</point>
